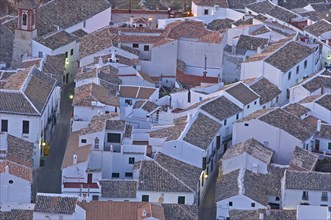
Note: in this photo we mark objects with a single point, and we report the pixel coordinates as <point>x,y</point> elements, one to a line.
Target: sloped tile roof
<point>16,103</point>
<point>303,160</point>
<point>221,108</point>
<point>289,123</point>
<point>121,210</point>
<point>298,180</point>
<point>325,101</point>
<point>118,125</point>
<point>317,82</point>
<point>96,41</point>
<point>55,204</point>
<point>154,177</point>
<point>242,93</point>
<point>318,28</point>
<point>20,151</point>
<point>98,123</point>
<point>291,4</point>
<point>251,43</point>
<point>243,21</point>
<point>74,149</point>
<point>118,188</point>
<point>16,169</point>
<point>136,92</point>
<point>325,131</point>
<point>211,3</point>
<point>39,89</point>
<point>202,131</point>
<point>265,89</point>
<point>17,214</point>
<point>262,30</point>
<point>288,56</point>
<point>86,94</point>
<point>239,4</point>
<point>281,14</point>
<point>251,147</point>
<point>169,133</point>
<point>57,39</point>
<point>226,185</point>
<point>220,24</point>
<point>180,211</point>
<point>296,109</point>
<point>260,6</point>
<point>187,173</point>
<point>273,214</point>
<point>66,13</point>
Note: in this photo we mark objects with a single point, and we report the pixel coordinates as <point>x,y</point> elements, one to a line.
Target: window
<point>24,19</point>
<point>135,45</point>
<point>40,54</point>
<point>200,99</point>
<point>277,198</point>
<point>131,160</point>
<point>329,146</point>
<point>224,122</point>
<point>298,69</point>
<point>246,124</point>
<point>247,106</point>
<point>146,48</point>
<point>324,196</point>
<point>128,174</point>
<point>25,127</point>
<point>10,181</point>
<point>237,116</point>
<point>289,75</point>
<point>115,175</point>
<point>72,52</point>
<point>218,142</point>
<point>305,195</point>
<point>206,12</point>
<point>84,24</point>
<point>181,199</point>
<point>4,125</point>
<point>66,54</point>
<point>253,204</point>
<point>230,204</point>
<point>128,101</point>
<point>145,198</point>
<point>305,64</point>
<point>95,197</point>
<point>83,141</point>
<point>255,102</point>
<point>113,138</point>
<point>277,99</point>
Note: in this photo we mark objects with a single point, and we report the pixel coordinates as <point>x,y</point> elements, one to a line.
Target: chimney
<point>259,50</point>
<point>261,216</point>
<point>189,117</point>
<point>113,56</point>
<point>74,158</point>
<point>319,123</point>
<point>100,62</point>
<point>131,21</point>
<point>7,169</point>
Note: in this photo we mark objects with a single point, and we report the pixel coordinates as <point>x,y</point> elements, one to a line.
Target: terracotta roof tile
<point>211,3</point>
<point>303,160</point>
<point>265,89</point>
<point>17,214</point>
<point>180,211</point>
<point>325,101</point>
<point>57,39</point>
<point>118,188</point>
<point>242,93</point>
<point>55,204</point>
<point>296,109</point>
<point>298,180</point>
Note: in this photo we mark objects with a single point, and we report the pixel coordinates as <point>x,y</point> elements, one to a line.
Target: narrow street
<point>207,208</point>
<point>49,176</point>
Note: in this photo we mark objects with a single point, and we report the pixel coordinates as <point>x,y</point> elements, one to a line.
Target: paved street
<point>49,176</point>
<point>207,208</point>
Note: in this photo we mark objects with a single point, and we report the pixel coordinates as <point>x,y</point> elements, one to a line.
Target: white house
<point>203,7</point>
<point>283,132</point>
<point>249,154</point>
<point>317,84</point>
<point>57,206</point>
<point>305,188</point>
<point>285,67</point>
<point>16,167</point>
<point>34,119</point>
<point>68,45</point>
<point>323,138</point>
<point>319,106</point>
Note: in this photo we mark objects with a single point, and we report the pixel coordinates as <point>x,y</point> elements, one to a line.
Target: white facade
<point>36,124</point>
<point>246,161</point>
<point>240,202</point>
<point>14,189</point>
<point>79,213</point>
<point>169,197</point>
<point>282,143</point>
<point>71,62</point>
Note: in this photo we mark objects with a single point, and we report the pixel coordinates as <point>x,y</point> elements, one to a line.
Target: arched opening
<point>24,19</point>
